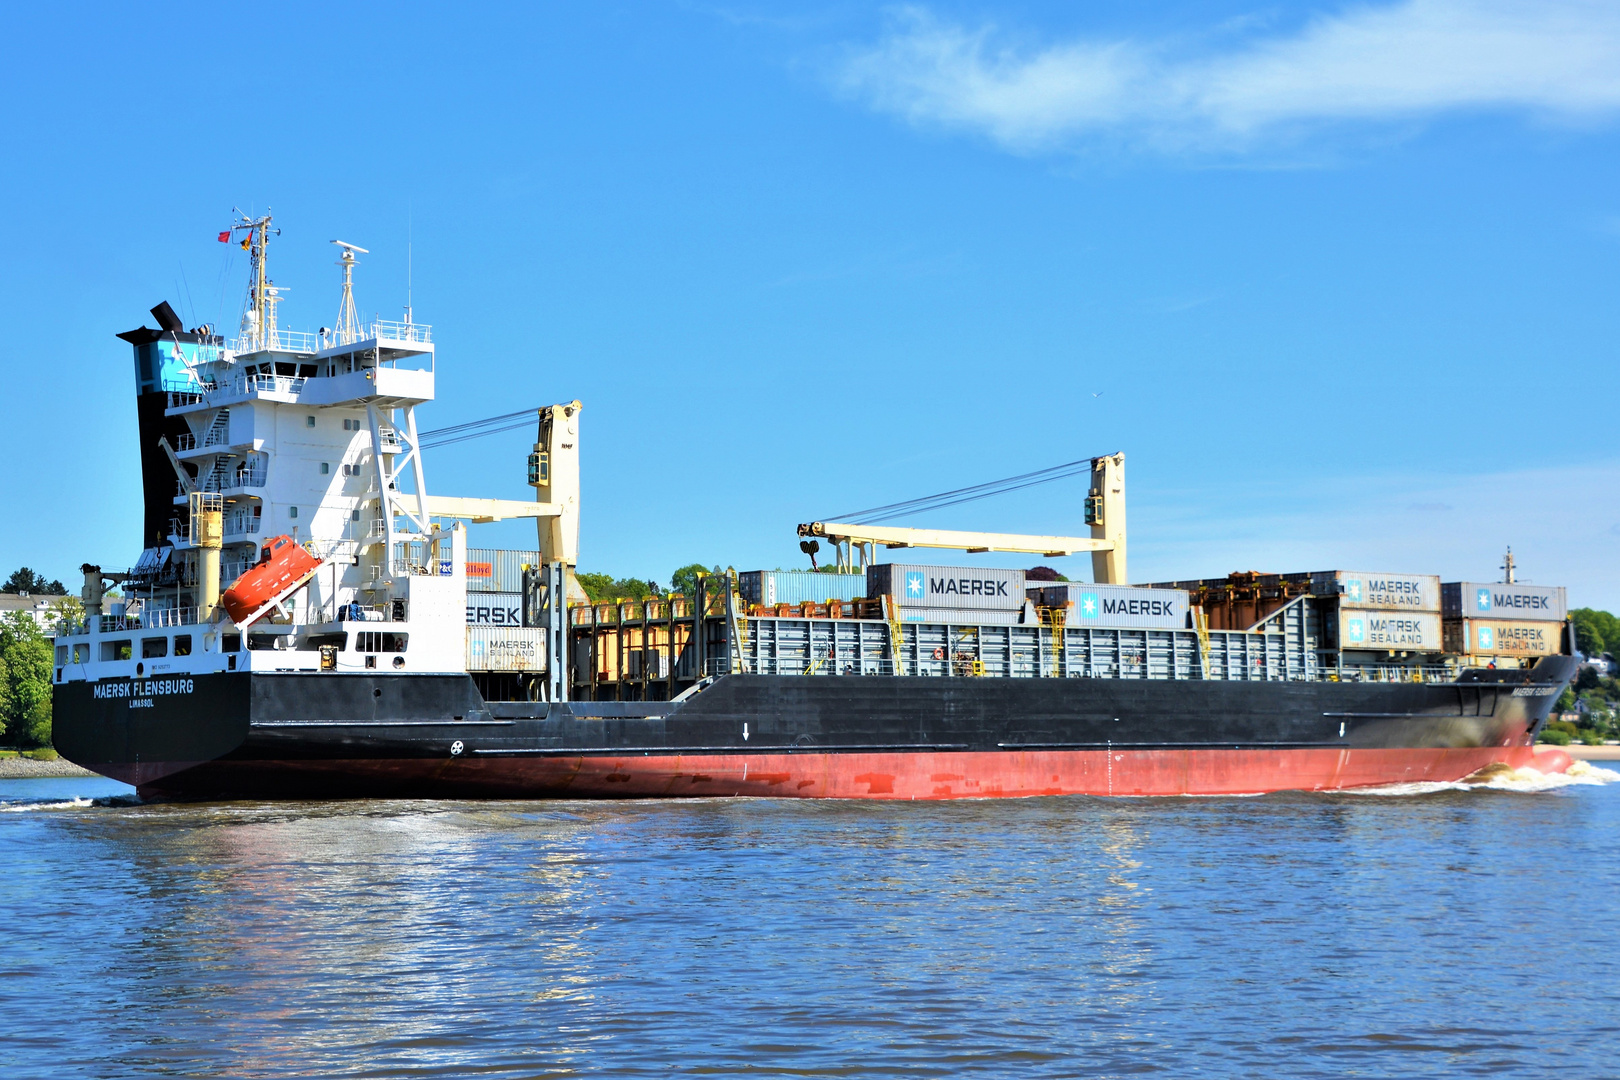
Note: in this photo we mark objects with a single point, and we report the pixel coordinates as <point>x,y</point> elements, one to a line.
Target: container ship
<point>306,619</point>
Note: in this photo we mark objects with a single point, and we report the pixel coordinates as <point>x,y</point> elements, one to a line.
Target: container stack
<point>1378,612</point>
<point>964,595</point>
<point>1497,621</point>
<point>495,585</point>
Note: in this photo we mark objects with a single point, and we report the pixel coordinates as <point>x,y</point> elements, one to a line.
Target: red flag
<point>225,237</point>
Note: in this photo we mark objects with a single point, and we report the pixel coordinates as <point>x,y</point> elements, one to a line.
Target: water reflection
<point>1299,935</point>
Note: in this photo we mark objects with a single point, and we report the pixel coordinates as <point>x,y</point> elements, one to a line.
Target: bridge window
<point>182,645</point>
<point>115,650</point>
<point>154,647</point>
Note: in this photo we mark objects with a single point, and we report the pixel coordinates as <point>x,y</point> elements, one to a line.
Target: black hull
<point>285,735</point>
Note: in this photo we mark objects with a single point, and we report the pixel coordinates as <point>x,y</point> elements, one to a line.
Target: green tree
<point>602,588</point>
<point>26,653</point>
<point>684,580</point>
<point>1596,632</point>
<point>25,580</point>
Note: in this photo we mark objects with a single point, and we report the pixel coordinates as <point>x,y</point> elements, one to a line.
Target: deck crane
<point>1105,513</point>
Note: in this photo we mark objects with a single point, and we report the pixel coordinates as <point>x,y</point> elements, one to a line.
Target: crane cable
<point>875,514</point>
<point>477,429</point>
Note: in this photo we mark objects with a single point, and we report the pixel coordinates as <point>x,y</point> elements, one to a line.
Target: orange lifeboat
<point>284,566</point>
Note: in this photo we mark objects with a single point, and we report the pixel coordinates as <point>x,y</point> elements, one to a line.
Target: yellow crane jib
<point>1104,511</point>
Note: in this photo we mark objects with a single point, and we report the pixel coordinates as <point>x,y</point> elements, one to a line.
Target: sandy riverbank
<point>29,769</point>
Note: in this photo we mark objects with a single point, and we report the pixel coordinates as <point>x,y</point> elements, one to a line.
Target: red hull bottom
<point>943,775</point>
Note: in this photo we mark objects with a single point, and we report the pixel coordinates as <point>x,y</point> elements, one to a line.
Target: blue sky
<point>1343,275</point>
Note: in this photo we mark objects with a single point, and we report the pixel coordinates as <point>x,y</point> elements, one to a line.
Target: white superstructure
<point>315,437</point>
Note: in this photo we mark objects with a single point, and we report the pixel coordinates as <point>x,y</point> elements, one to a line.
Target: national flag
<point>225,236</point>
<point>247,241</point>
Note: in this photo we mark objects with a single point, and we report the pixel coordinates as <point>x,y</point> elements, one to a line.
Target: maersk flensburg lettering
<point>967,587</point>
<point>129,688</point>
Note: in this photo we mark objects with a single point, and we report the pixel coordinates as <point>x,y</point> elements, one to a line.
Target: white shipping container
<point>1497,600</point>
<point>498,569</point>
<point>1387,592</point>
<point>492,648</point>
<point>494,609</point>
<point>1403,631</point>
<point>955,587</point>
<point>1498,637</point>
<point>1123,606</point>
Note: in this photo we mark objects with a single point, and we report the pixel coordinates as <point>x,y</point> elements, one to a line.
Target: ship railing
<point>184,442</point>
<point>384,329</point>
<point>1383,673</point>
<point>178,398</point>
<point>267,384</point>
<point>232,478</point>
<point>293,341</point>
<point>360,613</point>
<point>176,616</point>
<point>127,621</point>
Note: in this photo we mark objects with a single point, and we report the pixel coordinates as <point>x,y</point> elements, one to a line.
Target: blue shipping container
<point>796,586</point>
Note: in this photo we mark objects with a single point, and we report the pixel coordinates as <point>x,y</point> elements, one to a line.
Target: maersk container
<point>498,569</point>
<point>494,609</point>
<point>1401,631</point>
<point>1386,592</point>
<point>1121,606</point>
<point>958,587</point>
<point>771,587</point>
<point>1501,637</point>
<point>1521,603</point>
<point>492,648</point>
<point>964,616</point>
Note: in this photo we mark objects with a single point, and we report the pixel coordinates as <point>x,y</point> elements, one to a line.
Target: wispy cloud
<point>1369,63</point>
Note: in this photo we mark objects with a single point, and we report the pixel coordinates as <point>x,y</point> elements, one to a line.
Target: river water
<point>1430,931</point>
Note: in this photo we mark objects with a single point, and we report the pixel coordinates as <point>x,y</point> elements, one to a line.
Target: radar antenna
<point>347,331</point>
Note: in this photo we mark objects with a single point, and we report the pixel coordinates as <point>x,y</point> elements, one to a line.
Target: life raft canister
<point>283,563</point>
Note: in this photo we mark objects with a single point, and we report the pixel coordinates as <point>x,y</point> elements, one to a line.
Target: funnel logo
<point>1356,629</point>
<point>1352,586</point>
<point>1482,599</point>
<point>1487,638</point>
<point>1088,605</point>
<point>914,585</point>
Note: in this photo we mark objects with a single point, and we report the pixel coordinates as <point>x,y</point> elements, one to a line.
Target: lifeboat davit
<point>281,570</point>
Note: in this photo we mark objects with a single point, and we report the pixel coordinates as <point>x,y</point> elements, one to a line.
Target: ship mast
<point>348,322</point>
<point>259,312</point>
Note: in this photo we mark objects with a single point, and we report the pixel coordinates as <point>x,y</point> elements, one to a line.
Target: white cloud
<point>1366,63</point>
